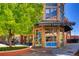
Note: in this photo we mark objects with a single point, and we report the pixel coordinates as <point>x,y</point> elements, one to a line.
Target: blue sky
<point>72,13</point>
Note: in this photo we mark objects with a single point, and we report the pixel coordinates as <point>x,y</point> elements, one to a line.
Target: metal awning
<point>67,26</point>
<point>54,23</point>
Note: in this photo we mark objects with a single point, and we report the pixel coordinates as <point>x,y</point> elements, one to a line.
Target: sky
<point>72,13</point>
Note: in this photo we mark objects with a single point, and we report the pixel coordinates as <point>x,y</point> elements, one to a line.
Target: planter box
<point>15,52</point>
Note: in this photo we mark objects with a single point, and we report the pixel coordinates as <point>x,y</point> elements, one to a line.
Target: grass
<point>11,48</point>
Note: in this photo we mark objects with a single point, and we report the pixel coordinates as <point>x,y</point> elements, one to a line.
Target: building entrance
<point>50,37</point>
<point>51,41</point>
<point>38,39</point>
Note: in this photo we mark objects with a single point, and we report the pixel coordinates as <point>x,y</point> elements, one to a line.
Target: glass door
<point>38,38</point>
<point>50,36</point>
<point>51,41</point>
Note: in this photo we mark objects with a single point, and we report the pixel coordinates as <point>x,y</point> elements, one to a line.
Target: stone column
<point>44,6</point>
<point>69,34</point>
<point>33,35</point>
<point>58,40</point>
<point>65,38</point>
<point>43,37</point>
<point>58,11</point>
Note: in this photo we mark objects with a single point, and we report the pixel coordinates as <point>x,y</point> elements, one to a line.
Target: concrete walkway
<point>68,50</point>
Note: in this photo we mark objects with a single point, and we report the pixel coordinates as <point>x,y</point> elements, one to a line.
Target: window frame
<point>50,13</point>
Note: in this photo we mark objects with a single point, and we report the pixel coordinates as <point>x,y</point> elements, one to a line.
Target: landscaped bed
<point>11,48</point>
<point>4,47</point>
<point>14,51</point>
<point>6,50</point>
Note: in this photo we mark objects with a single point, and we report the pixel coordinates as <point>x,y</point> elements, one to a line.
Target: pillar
<point>44,6</point>
<point>58,12</point>
<point>58,40</point>
<point>33,35</point>
<point>69,35</point>
<point>65,38</point>
<point>43,37</point>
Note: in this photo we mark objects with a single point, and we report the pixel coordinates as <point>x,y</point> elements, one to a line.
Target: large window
<point>38,38</point>
<point>50,12</point>
<point>50,38</point>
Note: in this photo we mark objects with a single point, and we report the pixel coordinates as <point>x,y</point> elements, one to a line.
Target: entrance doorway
<point>50,37</point>
<point>51,41</point>
<point>38,39</point>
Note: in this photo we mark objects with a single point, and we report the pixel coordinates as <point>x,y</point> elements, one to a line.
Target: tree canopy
<point>19,17</point>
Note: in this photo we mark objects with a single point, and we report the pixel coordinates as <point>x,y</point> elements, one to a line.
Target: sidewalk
<point>68,50</point>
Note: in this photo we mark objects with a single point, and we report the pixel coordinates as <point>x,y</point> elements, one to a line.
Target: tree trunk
<point>10,38</point>
<point>22,39</point>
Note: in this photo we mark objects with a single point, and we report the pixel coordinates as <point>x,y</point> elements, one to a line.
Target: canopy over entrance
<point>50,23</point>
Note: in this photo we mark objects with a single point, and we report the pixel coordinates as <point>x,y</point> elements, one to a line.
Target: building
<point>74,37</point>
<point>54,29</point>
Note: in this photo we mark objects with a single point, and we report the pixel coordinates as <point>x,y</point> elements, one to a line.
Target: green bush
<point>10,48</point>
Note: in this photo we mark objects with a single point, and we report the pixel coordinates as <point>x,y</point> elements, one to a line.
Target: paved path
<point>39,52</point>
<point>71,49</point>
<point>68,50</point>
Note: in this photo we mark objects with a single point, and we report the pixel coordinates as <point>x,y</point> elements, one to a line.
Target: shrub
<point>10,48</point>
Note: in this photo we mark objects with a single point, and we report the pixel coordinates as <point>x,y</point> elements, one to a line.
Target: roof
<point>54,23</point>
<point>67,25</point>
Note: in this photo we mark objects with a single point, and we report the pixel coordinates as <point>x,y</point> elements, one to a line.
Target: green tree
<point>19,18</point>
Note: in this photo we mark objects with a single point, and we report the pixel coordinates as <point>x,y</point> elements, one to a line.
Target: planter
<point>15,52</point>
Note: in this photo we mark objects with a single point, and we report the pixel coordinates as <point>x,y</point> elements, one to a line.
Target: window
<point>50,38</point>
<point>50,12</point>
<point>47,11</point>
